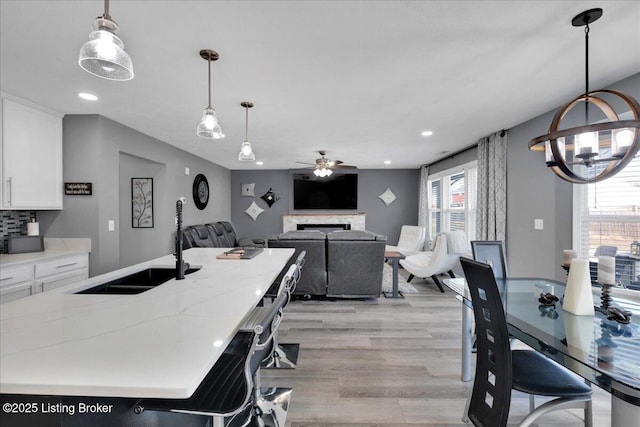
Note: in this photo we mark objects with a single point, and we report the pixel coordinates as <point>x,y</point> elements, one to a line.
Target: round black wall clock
<point>200,191</point>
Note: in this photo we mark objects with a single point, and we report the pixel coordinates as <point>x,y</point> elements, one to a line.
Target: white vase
<point>578,295</point>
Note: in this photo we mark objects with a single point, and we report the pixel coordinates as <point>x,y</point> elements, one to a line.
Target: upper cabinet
<point>31,156</point>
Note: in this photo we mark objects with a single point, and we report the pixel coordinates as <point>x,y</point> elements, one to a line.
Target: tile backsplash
<point>11,223</point>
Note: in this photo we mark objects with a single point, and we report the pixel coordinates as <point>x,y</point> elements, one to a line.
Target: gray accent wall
<point>108,154</point>
<point>371,182</point>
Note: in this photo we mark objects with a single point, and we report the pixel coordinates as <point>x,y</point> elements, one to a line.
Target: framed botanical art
<point>142,202</point>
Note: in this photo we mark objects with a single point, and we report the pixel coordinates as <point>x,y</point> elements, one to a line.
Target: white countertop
<point>157,344</point>
<point>53,248</point>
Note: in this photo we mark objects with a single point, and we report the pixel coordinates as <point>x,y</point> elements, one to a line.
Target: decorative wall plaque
<point>77,189</point>
<point>387,197</point>
<point>254,210</point>
<point>247,189</point>
<point>270,197</point>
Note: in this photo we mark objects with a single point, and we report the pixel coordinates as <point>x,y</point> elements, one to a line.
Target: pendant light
<point>246,153</point>
<point>104,55</point>
<point>600,150</point>
<point>209,126</point>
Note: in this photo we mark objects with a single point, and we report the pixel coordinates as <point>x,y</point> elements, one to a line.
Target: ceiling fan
<point>323,166</point>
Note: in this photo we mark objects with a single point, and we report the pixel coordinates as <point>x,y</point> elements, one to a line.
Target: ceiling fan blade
<point>345,167</point>
<point>305,163</point>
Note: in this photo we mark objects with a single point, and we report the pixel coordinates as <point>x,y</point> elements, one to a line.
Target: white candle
<point>567,256</point>
<point>578,296</point>
<point>606,270</point>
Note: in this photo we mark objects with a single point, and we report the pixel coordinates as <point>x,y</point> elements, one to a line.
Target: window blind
<point>609,216</point>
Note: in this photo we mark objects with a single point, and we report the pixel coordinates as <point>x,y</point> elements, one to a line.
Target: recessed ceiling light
<point>88,96</point>
<point>259,163</point>
<point>387,162</point>
<point>427,133</point>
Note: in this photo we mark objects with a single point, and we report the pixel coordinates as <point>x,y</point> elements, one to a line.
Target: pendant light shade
<point>209,126</point>
<point>104,55</point>
<point>246,152</point>
<point>599,150</point>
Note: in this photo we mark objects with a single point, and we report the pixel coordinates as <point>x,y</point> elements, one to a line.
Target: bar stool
<point>230,393</point>
<point>285,356</point>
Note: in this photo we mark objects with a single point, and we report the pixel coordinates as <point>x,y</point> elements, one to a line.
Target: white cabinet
<point>16,282</point>
<point>61,271</point>
<point>31,156</point>
<point>40,276</point>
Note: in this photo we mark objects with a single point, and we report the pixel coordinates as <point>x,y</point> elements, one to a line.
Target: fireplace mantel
<point>290,221</point>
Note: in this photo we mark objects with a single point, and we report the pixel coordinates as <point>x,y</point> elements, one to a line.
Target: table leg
<point>467,342</point>
<point>623,413</point>
<point>395,292</point>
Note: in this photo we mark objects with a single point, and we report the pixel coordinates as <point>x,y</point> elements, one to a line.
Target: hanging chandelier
<point>600,148</point>
<point>104,55</point>
<point>209,126</point>
<point>246,153</point>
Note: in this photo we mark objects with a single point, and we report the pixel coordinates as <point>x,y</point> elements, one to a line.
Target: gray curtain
<point>491,219</point>
<point>423,199</point>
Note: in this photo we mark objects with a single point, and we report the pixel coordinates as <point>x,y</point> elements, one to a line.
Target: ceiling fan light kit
<point>246,152</point>
<point>600,150</point>
<point>209,127</point>
<point>323,167</point>
<point>104,55</point>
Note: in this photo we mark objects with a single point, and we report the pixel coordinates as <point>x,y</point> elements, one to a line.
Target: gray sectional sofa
<point>343,263</point>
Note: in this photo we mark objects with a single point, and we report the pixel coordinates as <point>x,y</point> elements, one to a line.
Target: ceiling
<point>359,79</point>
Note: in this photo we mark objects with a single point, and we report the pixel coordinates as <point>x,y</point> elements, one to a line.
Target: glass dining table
<point>602,351</point>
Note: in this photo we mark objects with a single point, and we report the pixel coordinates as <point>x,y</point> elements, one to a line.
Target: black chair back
<point>491,396</point>
<point>299,264</point>
<point>269,321</point>
<point>491,252</point>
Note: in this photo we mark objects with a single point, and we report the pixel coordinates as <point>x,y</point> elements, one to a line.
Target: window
<point>452,200</point>
<point>607,213</point>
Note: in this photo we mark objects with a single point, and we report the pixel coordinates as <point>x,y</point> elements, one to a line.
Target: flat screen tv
<point>338,191</point>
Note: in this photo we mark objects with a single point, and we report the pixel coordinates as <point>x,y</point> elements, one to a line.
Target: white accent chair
<point>441,259</point>
<point>411,241</point>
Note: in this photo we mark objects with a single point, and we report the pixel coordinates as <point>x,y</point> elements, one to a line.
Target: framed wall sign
<point>142,202</point>
<point>77,189</point>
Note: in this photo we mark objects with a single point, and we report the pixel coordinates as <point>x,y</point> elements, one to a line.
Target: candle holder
<point>608,309</point>
<point>605,298</point>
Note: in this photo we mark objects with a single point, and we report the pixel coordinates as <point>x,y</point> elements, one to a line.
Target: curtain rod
<point>451,156</point>
<point>503,132</point>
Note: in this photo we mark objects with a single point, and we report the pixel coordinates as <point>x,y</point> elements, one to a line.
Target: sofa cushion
<point>302,235</point>
<point>354,235</point>
<point>354,265</point>
<point>197,236</point>
<point>313,280</point>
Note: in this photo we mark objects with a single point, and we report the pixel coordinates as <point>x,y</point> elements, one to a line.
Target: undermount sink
<point>137,282</point>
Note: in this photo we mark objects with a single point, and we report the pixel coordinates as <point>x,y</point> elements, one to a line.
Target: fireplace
<point>323,221</point>
<point>325,228</point>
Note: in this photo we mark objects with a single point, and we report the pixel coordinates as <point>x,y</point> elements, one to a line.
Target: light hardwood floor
<point>387,362</point>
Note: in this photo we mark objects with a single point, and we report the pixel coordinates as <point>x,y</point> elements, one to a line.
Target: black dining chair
<point>491,252</point>
<point>499,369</point>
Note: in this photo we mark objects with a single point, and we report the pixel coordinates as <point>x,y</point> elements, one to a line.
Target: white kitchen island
<point>157,344</point>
